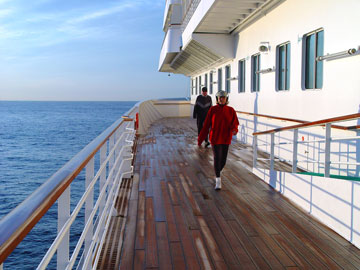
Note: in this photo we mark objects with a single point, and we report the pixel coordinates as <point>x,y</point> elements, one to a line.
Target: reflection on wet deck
<point>170,216</point>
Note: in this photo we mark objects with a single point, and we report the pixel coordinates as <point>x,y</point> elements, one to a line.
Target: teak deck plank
<point>174,219</point>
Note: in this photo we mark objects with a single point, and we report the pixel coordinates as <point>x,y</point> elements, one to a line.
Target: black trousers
<point>220,154</point>
<point>200,123</point>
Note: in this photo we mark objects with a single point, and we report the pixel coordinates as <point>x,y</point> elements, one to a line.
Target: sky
<point>89,50</point>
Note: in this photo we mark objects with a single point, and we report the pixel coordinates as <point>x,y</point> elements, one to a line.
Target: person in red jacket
<point>223,123</point>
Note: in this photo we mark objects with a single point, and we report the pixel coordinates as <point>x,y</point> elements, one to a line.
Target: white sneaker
<point>218,183</point>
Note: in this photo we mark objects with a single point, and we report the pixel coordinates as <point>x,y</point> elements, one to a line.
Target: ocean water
<point>37,139</point>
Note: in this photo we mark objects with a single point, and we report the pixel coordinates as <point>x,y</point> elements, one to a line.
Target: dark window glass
<point>219,79</point>
<point>314,47</point>
<point>283,67</point>
<point>200,86</point>
<point>196,86</point>
<point>192,86</point>
<point>227,78</point>
<point>206,80</point>
<point>211,83</point>
<point>255,75</point>
<point>319,64</point>
<point>241,76</point>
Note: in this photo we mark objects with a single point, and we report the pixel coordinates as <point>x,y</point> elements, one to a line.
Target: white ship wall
<point>340,94</point>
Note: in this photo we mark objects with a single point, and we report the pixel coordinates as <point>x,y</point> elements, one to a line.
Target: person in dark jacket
<point>223,123</point>
<point>202,106</point>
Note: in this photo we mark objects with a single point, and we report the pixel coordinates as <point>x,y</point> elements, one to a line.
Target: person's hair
<point>204,89</point>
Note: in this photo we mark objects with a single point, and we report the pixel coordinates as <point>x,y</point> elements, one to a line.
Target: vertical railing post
<point>112,158</point>
<point>111,181</point>
<point>295,150</point>
<point>103,151</point>
<point>272,151</point>
<point>89,204</point>
<point>255,149</point>
<point>327,150</point>
<point>63,216</point>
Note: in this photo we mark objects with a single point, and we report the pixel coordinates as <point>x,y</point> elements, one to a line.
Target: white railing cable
<point>65,229</point>
<point>324,151</point>
<point>109,201</point>
<point>106,210</point>
<point>112,202</point>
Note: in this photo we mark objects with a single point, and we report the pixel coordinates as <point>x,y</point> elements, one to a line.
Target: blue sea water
<point>37,139</point>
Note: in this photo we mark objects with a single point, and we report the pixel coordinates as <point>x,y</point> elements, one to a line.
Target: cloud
<point>5,12</point>
<point>103,13</point>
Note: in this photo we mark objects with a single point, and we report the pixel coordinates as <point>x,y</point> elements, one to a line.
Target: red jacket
<point>223,122</point>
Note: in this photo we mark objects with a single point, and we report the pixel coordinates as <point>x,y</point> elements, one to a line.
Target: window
<point>200,86</point>
<point>211,83</point>
<point>227,78</point>
<point>219,79</point>
<point>313,70</point>
<point>206,80</point>
<point>283,67</point>
<point>196,86</point>
<point>192,86</point>
<point>255,75</point>
<point>241,76</point>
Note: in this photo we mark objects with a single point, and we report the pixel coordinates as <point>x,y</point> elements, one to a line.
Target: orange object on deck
<point>137,121</point>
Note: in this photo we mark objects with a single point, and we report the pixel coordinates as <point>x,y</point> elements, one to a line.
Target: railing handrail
<point>295,120</point>
<point>18,223</point>
<point>312,124</point>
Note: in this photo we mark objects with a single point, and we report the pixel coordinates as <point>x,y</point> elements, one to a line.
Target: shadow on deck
<point>174,219</point>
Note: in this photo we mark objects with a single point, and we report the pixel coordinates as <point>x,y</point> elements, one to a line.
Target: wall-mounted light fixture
<point>264,47</point>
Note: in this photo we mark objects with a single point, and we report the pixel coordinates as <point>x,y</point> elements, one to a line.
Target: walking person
<point>223,123</point>
<point>202,106</point>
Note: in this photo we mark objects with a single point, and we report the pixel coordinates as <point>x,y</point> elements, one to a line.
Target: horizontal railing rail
<point>19,222</point>
<point>326,140</point>
<point>296,120</point>
<point>312,124</point>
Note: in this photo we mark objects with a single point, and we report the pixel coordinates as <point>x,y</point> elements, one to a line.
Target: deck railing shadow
<point>334,199</point>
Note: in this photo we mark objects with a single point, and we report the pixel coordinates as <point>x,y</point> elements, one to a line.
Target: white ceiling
<point>225,15</point>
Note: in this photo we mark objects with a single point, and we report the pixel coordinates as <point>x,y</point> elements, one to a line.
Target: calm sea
<point>37,139</point>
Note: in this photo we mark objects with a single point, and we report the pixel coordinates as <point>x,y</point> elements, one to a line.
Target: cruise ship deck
<point>170,216</point>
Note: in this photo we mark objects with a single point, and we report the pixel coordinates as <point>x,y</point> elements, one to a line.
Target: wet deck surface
<point>172,218</point>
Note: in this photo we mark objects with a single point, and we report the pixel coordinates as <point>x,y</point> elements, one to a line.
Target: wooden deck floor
<point>176,220</point>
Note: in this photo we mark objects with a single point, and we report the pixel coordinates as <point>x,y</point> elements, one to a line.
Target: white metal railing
<point>110,188</point>
<point>113,149</point>
<point>325,157</point>
<point>189,8</point>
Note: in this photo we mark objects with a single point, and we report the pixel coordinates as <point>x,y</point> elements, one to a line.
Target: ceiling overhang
<point>170,48</point>
<point>209,33</point>
<point>203,51</point>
